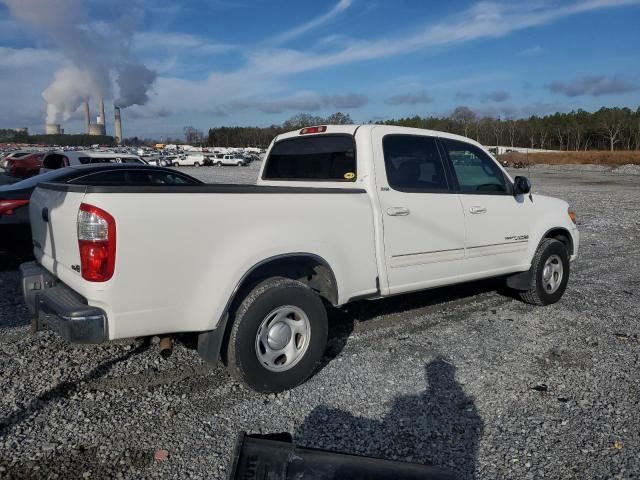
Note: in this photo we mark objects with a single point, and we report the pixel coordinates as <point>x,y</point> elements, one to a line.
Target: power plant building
<point>98,128</point>
<point>52,129</point>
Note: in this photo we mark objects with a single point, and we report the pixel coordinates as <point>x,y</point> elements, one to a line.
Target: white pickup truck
<point>339,213</point>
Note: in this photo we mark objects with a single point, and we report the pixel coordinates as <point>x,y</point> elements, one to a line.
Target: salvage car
<point>65,158</point>
<point>340,213</point>
<point>24,166</point>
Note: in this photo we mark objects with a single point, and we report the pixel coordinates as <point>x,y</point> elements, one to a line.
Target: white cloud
<point>340,7</point>
<point>145,42</point>
<point>27,57</point>
<point>531,51</point>
<point>266,69</point>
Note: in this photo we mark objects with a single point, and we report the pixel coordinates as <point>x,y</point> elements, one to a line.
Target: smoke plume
<point>99,62</point>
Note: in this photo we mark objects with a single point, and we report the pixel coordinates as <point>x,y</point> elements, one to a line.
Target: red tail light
<point>8,206</point>
<point>97,243</point>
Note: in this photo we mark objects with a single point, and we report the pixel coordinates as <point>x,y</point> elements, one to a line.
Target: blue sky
<point>258,62</point>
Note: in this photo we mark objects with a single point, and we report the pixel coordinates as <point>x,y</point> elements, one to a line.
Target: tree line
<point>606,129</point>
<point>63,140</point>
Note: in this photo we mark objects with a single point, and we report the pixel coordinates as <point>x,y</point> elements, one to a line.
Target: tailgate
<point>53,212</point>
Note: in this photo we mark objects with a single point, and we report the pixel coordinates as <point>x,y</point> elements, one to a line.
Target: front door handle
<point>476,210</point>
<point>398,211</point>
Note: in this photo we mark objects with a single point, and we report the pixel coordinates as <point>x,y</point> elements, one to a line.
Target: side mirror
<point>521,186</point>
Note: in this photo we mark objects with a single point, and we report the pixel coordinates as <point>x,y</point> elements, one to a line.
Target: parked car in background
<point>190,160</point>
<point>13,154</point>
<point>231,160</point>
<point>14,198</point>
<point>24,166</point>
<point>66,158</point>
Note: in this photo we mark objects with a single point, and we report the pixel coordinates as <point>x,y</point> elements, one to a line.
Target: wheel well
<point>563,236</point>
<point>306,268</point>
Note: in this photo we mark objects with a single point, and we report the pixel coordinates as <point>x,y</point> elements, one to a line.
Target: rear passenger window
<point>324,157</point>
<point>53,161</point>
<point>413,164</point>
<point>103,178</point>
<point>476,172</point>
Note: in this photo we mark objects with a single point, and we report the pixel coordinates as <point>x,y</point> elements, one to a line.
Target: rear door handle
<point>398,211</point>
<point>45,214</point>
<point>476,210</point>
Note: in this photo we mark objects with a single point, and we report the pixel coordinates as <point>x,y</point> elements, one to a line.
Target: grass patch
<point>612,159</point>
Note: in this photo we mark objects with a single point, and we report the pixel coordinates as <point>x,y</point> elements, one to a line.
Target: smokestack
<point>118,125</point>
<point>87,117</point>
<point>102,117</point>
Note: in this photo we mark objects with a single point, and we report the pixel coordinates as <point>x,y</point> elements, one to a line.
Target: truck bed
<point>182,250</point>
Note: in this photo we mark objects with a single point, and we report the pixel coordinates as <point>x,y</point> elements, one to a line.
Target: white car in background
<point>66,158</point>
<point>230,160</point>
<point>190,160</point>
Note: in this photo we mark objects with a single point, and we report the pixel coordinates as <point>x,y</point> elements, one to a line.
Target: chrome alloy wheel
<point>283,338</point>
<point>552,274</point>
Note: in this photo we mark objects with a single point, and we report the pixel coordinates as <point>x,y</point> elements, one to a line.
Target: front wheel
<point>550,273</point>
<point>278,336</point>
<point>176,164</point>
<point>196,164</point>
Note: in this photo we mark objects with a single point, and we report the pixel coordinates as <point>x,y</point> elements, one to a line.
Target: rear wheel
<point>176,164</point>
<point>278,336</point>
<point>550,273</point>
<point>196,164</point>
<point>219,164</point>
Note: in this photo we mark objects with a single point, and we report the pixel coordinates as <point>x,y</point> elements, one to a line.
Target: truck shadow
<point>342,321</point>
<point>65,389</point>
<point>439,426</point>
<point>15,248</point>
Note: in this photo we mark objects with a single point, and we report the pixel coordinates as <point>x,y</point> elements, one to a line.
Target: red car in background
<point>25,166</point>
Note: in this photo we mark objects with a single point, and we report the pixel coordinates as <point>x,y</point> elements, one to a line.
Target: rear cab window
<point>328,158</point>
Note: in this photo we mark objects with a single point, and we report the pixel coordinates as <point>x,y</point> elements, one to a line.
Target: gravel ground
<point>465,378</point>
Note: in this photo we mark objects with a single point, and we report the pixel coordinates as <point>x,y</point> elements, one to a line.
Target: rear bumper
<point>56,307</point>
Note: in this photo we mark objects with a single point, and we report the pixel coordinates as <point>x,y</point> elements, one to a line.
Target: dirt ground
<point>466,378</point>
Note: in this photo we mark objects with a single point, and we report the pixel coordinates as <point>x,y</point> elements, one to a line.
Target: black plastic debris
<point>541,387</point>
<point>271,458</point>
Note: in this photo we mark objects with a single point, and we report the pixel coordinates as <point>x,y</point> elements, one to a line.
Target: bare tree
<point>512,128</point>
<point>339,118</point>
<point>611,123</point>
<point>497,126</point>
<point>560,136</point>
<point>465,117</point>
<point>193,136</point>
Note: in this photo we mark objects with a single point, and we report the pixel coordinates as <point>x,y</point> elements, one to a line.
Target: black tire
<point>196,164</point>
<point>537,294</point>
<point>242,357</point>
<point>219,164</point>
<point>176,164</point>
